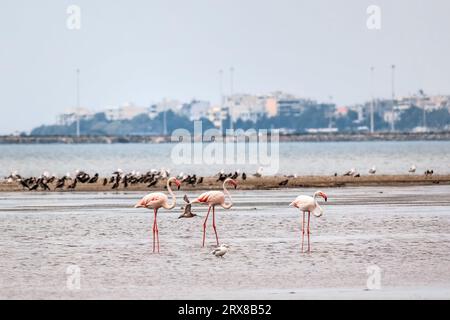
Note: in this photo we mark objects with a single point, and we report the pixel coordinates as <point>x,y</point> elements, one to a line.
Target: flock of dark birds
<point>118,178</point>
<point>151,178</point>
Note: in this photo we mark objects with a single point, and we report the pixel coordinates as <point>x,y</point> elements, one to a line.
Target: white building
<point>246,107</point>
<point>126,112</point>
<point>272,99</point>
<point>196,109</point>
<point>163,106</point>
<point>71,115</point>
<point>216,115</point>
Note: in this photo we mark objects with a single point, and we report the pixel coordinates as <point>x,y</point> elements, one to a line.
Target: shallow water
<point>403,230</point>
<point>303,158</point>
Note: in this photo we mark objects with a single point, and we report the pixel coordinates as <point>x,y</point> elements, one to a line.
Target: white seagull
<point>221,250</point>
<point>258,173</point>
<point>372,170</point>
<point>412,169</point>
<point>350,173</point>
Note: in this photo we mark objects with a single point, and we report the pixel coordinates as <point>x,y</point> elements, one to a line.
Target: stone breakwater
<point>381,136</point>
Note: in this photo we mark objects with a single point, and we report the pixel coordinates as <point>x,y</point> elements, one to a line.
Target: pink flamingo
<point>213,198</point>
<point>155,201</point>
<point>308,204</point>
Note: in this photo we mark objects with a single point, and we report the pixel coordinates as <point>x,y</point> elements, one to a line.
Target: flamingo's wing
<point>204,197</point>
<point>154,200</point>
<point>304,203</point>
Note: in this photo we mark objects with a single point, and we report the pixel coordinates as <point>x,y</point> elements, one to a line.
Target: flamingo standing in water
<point>212,199</point>
<point>155,201</point>
<point>308,204</point>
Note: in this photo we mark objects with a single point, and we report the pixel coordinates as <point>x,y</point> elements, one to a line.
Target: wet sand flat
<point>405,231</point>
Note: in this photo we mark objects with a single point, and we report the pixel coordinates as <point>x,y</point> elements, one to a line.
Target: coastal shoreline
<point>303,137</point>
<point>262,183</point>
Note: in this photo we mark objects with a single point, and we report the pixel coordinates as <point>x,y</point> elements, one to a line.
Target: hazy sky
<point>143,51</point>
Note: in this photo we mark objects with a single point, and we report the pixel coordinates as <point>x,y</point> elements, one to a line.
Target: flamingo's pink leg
<point>204,226</point>
<point>309,240</point>
<point>214,224</point>
<point>154,228</point>
<point>303,230</point>
<point>157,230</point>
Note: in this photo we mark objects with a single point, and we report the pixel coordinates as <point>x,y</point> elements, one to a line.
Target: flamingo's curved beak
<point>234,183</point>
<point>178,183</point>
<point>324,196</point>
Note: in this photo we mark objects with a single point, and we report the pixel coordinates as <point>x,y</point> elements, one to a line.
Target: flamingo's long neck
<point>318,207</point>
<point>225,190</point>
<point>174,199</point>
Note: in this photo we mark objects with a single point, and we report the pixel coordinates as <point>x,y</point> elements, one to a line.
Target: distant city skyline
<point>145,51</point>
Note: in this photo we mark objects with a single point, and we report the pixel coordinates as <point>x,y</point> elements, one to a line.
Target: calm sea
<point>302,158</point>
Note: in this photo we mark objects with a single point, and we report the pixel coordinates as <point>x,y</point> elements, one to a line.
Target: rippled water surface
<point>321,158</point>
<point>403,230</point>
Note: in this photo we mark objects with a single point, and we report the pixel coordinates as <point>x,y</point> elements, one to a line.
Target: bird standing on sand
<point>156,201</point>
<point>350,173</point>
<point>212,199</point>
<point>94,179</point>
<point>73,185</point>
<point>221,250</point>
<point>187,209</point>
<point>308,204</point>
<point>258,173</point>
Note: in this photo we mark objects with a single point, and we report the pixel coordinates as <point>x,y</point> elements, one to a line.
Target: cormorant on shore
<point>34,187</point>
<point>61,182</point>
<point>222,177</point>
<point>73,185</point>
<point>153,183</point>
<point>24,184</point>
<point>43,184</point>
<point>116,184</point>
<point>94,179</point>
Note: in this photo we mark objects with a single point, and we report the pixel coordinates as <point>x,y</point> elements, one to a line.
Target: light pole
<point>164,117</point>
<point>221,97</point>
<point>77,112</point>
<point>231,95</point>
<point>424,115</point>
<point>372,102</point>
<point>393,98</point>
